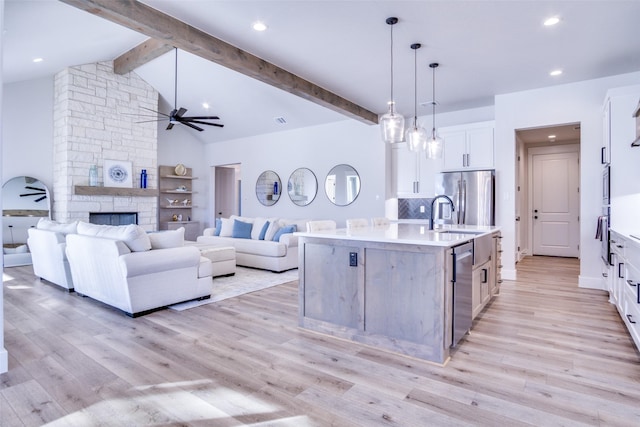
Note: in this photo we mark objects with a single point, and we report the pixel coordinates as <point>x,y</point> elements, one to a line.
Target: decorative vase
<point>93,176</point>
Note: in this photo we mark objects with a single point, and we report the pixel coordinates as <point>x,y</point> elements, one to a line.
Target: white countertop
<point>445,236</point>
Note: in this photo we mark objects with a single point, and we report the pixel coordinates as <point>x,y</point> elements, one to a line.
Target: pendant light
<point>392,123</point>
<point>416,136</point>
<point>434,142</point>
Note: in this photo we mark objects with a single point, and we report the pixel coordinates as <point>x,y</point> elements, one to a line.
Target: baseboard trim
<point>4,361</point>
<point>591,283</point>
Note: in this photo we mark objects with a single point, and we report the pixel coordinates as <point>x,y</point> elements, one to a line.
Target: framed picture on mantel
<point>117,173</point>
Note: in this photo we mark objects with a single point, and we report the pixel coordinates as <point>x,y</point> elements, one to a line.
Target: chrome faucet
<point>433,203</point>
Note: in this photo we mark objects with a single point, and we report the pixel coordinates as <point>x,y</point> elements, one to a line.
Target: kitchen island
<point>389,287</point>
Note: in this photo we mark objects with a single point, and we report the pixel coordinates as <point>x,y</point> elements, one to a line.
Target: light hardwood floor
<point>544,352</point>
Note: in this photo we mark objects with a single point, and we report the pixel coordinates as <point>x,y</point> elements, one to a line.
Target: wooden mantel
<point>86,190</point>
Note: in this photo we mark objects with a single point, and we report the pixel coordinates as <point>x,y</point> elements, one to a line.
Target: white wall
<point>4,356</point>
<point>27,130</point>
<point>318,148</point>
<point>577,102</point>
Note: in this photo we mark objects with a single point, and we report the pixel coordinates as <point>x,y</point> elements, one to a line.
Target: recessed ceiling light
<point>551,21</point>
<point>259,26</point>
<point>37,60</point>
<point>555,73</point>
<point>551,137</point>
<point>205,105</point>
<point>280,120</point>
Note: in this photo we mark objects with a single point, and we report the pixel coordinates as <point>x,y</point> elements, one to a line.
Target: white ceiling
<point>484,48</point>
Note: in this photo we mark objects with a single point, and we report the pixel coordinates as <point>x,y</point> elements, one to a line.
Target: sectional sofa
<point>265,243</point>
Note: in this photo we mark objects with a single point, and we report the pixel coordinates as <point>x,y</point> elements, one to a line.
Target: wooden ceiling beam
<point>146,51</point>
<point>173,32</point>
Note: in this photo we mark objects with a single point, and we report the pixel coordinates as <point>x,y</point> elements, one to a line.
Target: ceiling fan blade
<point>170,126</point>
<point>203,117</point>
<point>180,113</point>
<point>156,120</point>
<point>192,126</point>
<point>154,111</point>
<point>202,123</point>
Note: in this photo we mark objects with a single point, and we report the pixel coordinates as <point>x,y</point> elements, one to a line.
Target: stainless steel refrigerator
<point>472,193</point>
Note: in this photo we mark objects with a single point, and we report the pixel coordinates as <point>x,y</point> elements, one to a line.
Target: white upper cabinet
<point>413,167</point>
<point>619,132</point>
<point>468,146</point>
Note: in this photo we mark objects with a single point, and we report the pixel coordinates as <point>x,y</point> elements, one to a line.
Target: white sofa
<point>117,266</point>
<point>254,251</point>
<point>47,245</point>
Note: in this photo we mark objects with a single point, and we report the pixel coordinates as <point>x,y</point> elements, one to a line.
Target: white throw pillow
<point>47,224</point>
<point>227,227</point>
<point>167,239</point>
<point>258,223</point>
<point>274,226</point>
<point>134,236</point>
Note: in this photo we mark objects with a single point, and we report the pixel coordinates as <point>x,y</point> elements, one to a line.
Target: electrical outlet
<point>421,209</point>
<point>353,259</point>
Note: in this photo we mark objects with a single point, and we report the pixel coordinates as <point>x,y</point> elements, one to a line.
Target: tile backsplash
<point>410,208</point>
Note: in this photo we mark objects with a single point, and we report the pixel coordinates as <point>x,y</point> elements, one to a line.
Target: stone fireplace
<point>95,114</point>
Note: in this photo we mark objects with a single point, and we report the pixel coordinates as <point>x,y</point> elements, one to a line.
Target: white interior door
<point>556,205</point>
<point>226,192</point>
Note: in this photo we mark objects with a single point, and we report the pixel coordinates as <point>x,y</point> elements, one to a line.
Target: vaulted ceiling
<point>484,48</point>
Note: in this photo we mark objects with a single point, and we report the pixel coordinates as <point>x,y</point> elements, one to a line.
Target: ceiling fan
<point>177,114</point>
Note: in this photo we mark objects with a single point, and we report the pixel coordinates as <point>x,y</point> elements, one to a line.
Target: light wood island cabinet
<point>390,289</point>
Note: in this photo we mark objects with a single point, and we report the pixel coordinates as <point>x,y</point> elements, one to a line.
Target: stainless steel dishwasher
<point>462,273</point>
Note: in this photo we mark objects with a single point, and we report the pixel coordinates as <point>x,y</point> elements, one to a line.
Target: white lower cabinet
<point>624,286</point>
<point>482,282</point>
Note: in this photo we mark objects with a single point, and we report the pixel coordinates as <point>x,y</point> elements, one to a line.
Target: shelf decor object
<point>392,123</point>
<point>117,173</point>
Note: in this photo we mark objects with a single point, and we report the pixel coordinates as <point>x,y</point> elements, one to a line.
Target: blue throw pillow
<point>263,231</point>
<point>216,232</point>
<point>241,230</point>
<point>284,230</point>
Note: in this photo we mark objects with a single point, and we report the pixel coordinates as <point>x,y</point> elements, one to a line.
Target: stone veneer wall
<point>95,112</point>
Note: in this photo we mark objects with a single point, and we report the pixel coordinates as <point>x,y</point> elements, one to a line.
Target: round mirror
<point>342,185</point>
<point>268,188</point>
<point>302,186</point>
<point>24,201</point>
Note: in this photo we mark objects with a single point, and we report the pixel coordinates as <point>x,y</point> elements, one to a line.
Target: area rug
<point>245,280</point>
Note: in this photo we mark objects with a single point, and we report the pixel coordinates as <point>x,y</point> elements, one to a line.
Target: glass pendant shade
<point>416,138</point>
<point>434,146</point>
<point>392,125</point>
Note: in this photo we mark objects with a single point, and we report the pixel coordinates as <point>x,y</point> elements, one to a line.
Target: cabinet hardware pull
<point>630,319</point>
<point>619,246</point>
<point>499,281</point>
<point>605,275</point>
<point>620,265</point>
<point>485,275</point>
<point>630,282</point>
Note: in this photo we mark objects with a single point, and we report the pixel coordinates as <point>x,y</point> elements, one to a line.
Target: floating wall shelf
<point>86,190</point>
